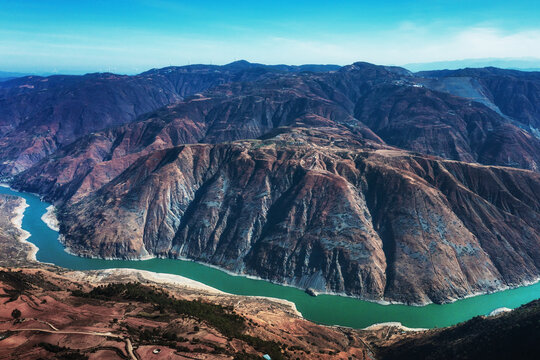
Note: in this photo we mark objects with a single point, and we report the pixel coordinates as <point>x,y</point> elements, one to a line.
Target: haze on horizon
<point>130,36</point>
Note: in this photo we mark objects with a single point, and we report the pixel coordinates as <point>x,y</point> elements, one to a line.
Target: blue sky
<point>131,36</point>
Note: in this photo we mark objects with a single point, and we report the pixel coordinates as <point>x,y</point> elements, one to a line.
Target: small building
<point>267,357</point>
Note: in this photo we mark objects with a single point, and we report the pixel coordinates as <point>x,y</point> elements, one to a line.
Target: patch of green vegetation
<point>51,347</point>
<point>167,338</point>
<point>62,352</point>
<point>21,283</point>
<point>271,348</point>
<point>5,335</point>
<point>246,356</point>
<point>220,317</point>
<point>16,313</point>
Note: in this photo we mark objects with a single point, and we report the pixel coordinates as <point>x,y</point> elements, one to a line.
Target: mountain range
<point>364,180</point>
<point>524,64</point>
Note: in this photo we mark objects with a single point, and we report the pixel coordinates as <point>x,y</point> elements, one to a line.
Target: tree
<point>16,314</point>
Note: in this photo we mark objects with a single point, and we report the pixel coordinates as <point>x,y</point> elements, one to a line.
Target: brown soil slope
<point>43,315</point>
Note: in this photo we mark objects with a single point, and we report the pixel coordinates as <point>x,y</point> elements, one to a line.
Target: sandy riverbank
<point>50,219</point>
<point>500,310</point>
<point>393,324</point>
<point>16,220</point>
<point>106,275</point>
<point>116,274</point>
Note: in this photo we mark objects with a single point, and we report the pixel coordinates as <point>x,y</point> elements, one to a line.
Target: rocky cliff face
<point>515,93</point>
<point>379,224</point>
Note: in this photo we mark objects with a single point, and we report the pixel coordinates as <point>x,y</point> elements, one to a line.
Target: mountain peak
<point>240,64</point>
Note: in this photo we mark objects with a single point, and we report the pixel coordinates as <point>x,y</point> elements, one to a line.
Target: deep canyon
<point>364,180</point>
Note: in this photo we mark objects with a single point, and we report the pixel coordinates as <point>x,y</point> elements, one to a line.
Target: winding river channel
<point>324,309</point>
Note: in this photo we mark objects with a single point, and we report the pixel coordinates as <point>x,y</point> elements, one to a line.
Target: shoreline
<point>99,276</point>
<point>70,251</point>
<point>172,279</point>
<point>50,219</point>
<point>23,238</point>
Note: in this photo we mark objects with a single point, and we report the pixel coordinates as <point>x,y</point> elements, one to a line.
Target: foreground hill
<point>512,335</point>
<point>45,315</point>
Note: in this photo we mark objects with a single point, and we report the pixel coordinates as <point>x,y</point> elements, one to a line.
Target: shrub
<point>16,313</point>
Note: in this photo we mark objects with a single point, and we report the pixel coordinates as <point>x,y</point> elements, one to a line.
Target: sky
<point>131,36</point>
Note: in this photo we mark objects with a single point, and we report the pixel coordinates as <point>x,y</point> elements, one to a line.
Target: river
<point>324,309</point>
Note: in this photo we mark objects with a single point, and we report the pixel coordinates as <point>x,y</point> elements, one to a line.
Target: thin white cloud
<point>409,42</point>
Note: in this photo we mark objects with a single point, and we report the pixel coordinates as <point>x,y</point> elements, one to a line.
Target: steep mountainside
<point>515,93</point>
<point>428,122</point>
<point>37,115</point>
<point>380,224</point>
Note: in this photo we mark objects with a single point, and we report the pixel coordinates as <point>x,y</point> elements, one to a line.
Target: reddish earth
<point>365,180</point>
<point>54,323</point>
<point>74,326</point>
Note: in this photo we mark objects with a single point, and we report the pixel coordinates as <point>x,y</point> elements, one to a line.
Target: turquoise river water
<point>324,309</point>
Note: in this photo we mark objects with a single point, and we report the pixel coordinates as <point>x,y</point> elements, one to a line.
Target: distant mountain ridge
<point>6,75</point>
<point>40,114</point>
<point>502,63</point>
